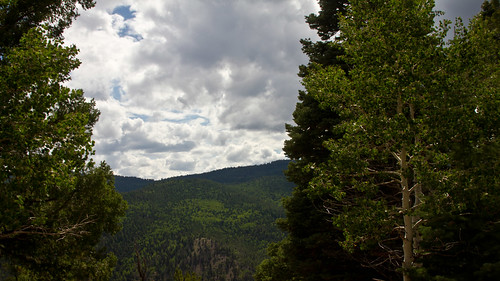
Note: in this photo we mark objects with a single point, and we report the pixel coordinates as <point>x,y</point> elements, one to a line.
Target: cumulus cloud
<point>190,86</point>
<point>181,165</point>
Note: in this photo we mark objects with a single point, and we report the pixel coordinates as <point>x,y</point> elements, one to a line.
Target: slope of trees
<point>227,175</point>
<point>218,231</point>
<point>126,184</point>
<point>55,203</point>
<point>243,174</point>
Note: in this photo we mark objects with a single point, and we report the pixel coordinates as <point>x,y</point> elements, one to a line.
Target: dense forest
<point>216,225</point>
<point>394,164</point>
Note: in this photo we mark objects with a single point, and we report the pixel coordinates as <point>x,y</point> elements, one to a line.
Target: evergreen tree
<point>418,134</point>
<point>311,251</point>
<point>19,16</point>
<point>55,203</point>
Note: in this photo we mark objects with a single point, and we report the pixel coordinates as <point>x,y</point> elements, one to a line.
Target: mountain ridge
<point>216,224</point>
<point>225,175</point>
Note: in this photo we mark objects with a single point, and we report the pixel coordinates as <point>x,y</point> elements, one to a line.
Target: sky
<point>190,86</point>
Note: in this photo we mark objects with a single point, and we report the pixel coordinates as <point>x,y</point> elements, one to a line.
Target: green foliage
<point>188,276</point>
<point>386,73</point>
<point>17,17</point>
<point>312,251</point>
<point>461,237</point>
<point>418,119</point>
<point>326,22</point>
<point>216,230</point>
<point>275,267</point>
<point>55,203</point>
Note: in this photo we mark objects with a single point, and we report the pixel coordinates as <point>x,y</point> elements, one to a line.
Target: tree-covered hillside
<point>126,184</point>
<point>226,175</point>
<point>244,174</point>
<point>218,230</point>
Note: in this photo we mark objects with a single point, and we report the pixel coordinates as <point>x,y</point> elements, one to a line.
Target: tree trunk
<point>407,219</point>
<point>406,201</point>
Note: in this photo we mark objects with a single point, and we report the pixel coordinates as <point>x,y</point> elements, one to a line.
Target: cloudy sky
<point>189,86</point>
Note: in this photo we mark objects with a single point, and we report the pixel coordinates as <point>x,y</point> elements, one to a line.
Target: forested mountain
<point>395,162</point>
<point>126,184</point>
<point>215,224</point>
<point>226,175</point>
<point>243,174</point>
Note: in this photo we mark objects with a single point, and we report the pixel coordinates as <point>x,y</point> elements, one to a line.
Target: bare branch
<point>68,230</point>
<point>396,156</point>
<point>414,186</point>
<point>418,223</point>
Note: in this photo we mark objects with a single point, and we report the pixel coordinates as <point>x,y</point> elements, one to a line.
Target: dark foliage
<point>17,17</point>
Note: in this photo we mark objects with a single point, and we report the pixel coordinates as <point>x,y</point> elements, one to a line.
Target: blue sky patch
<point>144,117</point>
<point>117,91</point>
<point>127,14</point>
<point>127,32</point>
<point>124,11</point>
<point>190,118</point>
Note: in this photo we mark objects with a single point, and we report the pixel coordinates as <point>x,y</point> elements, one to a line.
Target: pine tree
<point>311,251</point>
<point>413,112</point>
<point>55,202</point>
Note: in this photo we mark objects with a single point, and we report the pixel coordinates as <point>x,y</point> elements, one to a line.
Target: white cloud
<point>181,165</point>
<point>190,86</point>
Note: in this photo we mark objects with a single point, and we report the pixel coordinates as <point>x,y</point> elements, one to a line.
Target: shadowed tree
<point>311,251</point>
<point>413,112</point>
<point>55,202</point>
<point>19,16</point>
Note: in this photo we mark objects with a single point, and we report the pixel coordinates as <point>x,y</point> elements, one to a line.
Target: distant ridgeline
<point>215,224</point>
<point>226,175</point>
<point>126,184</point>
